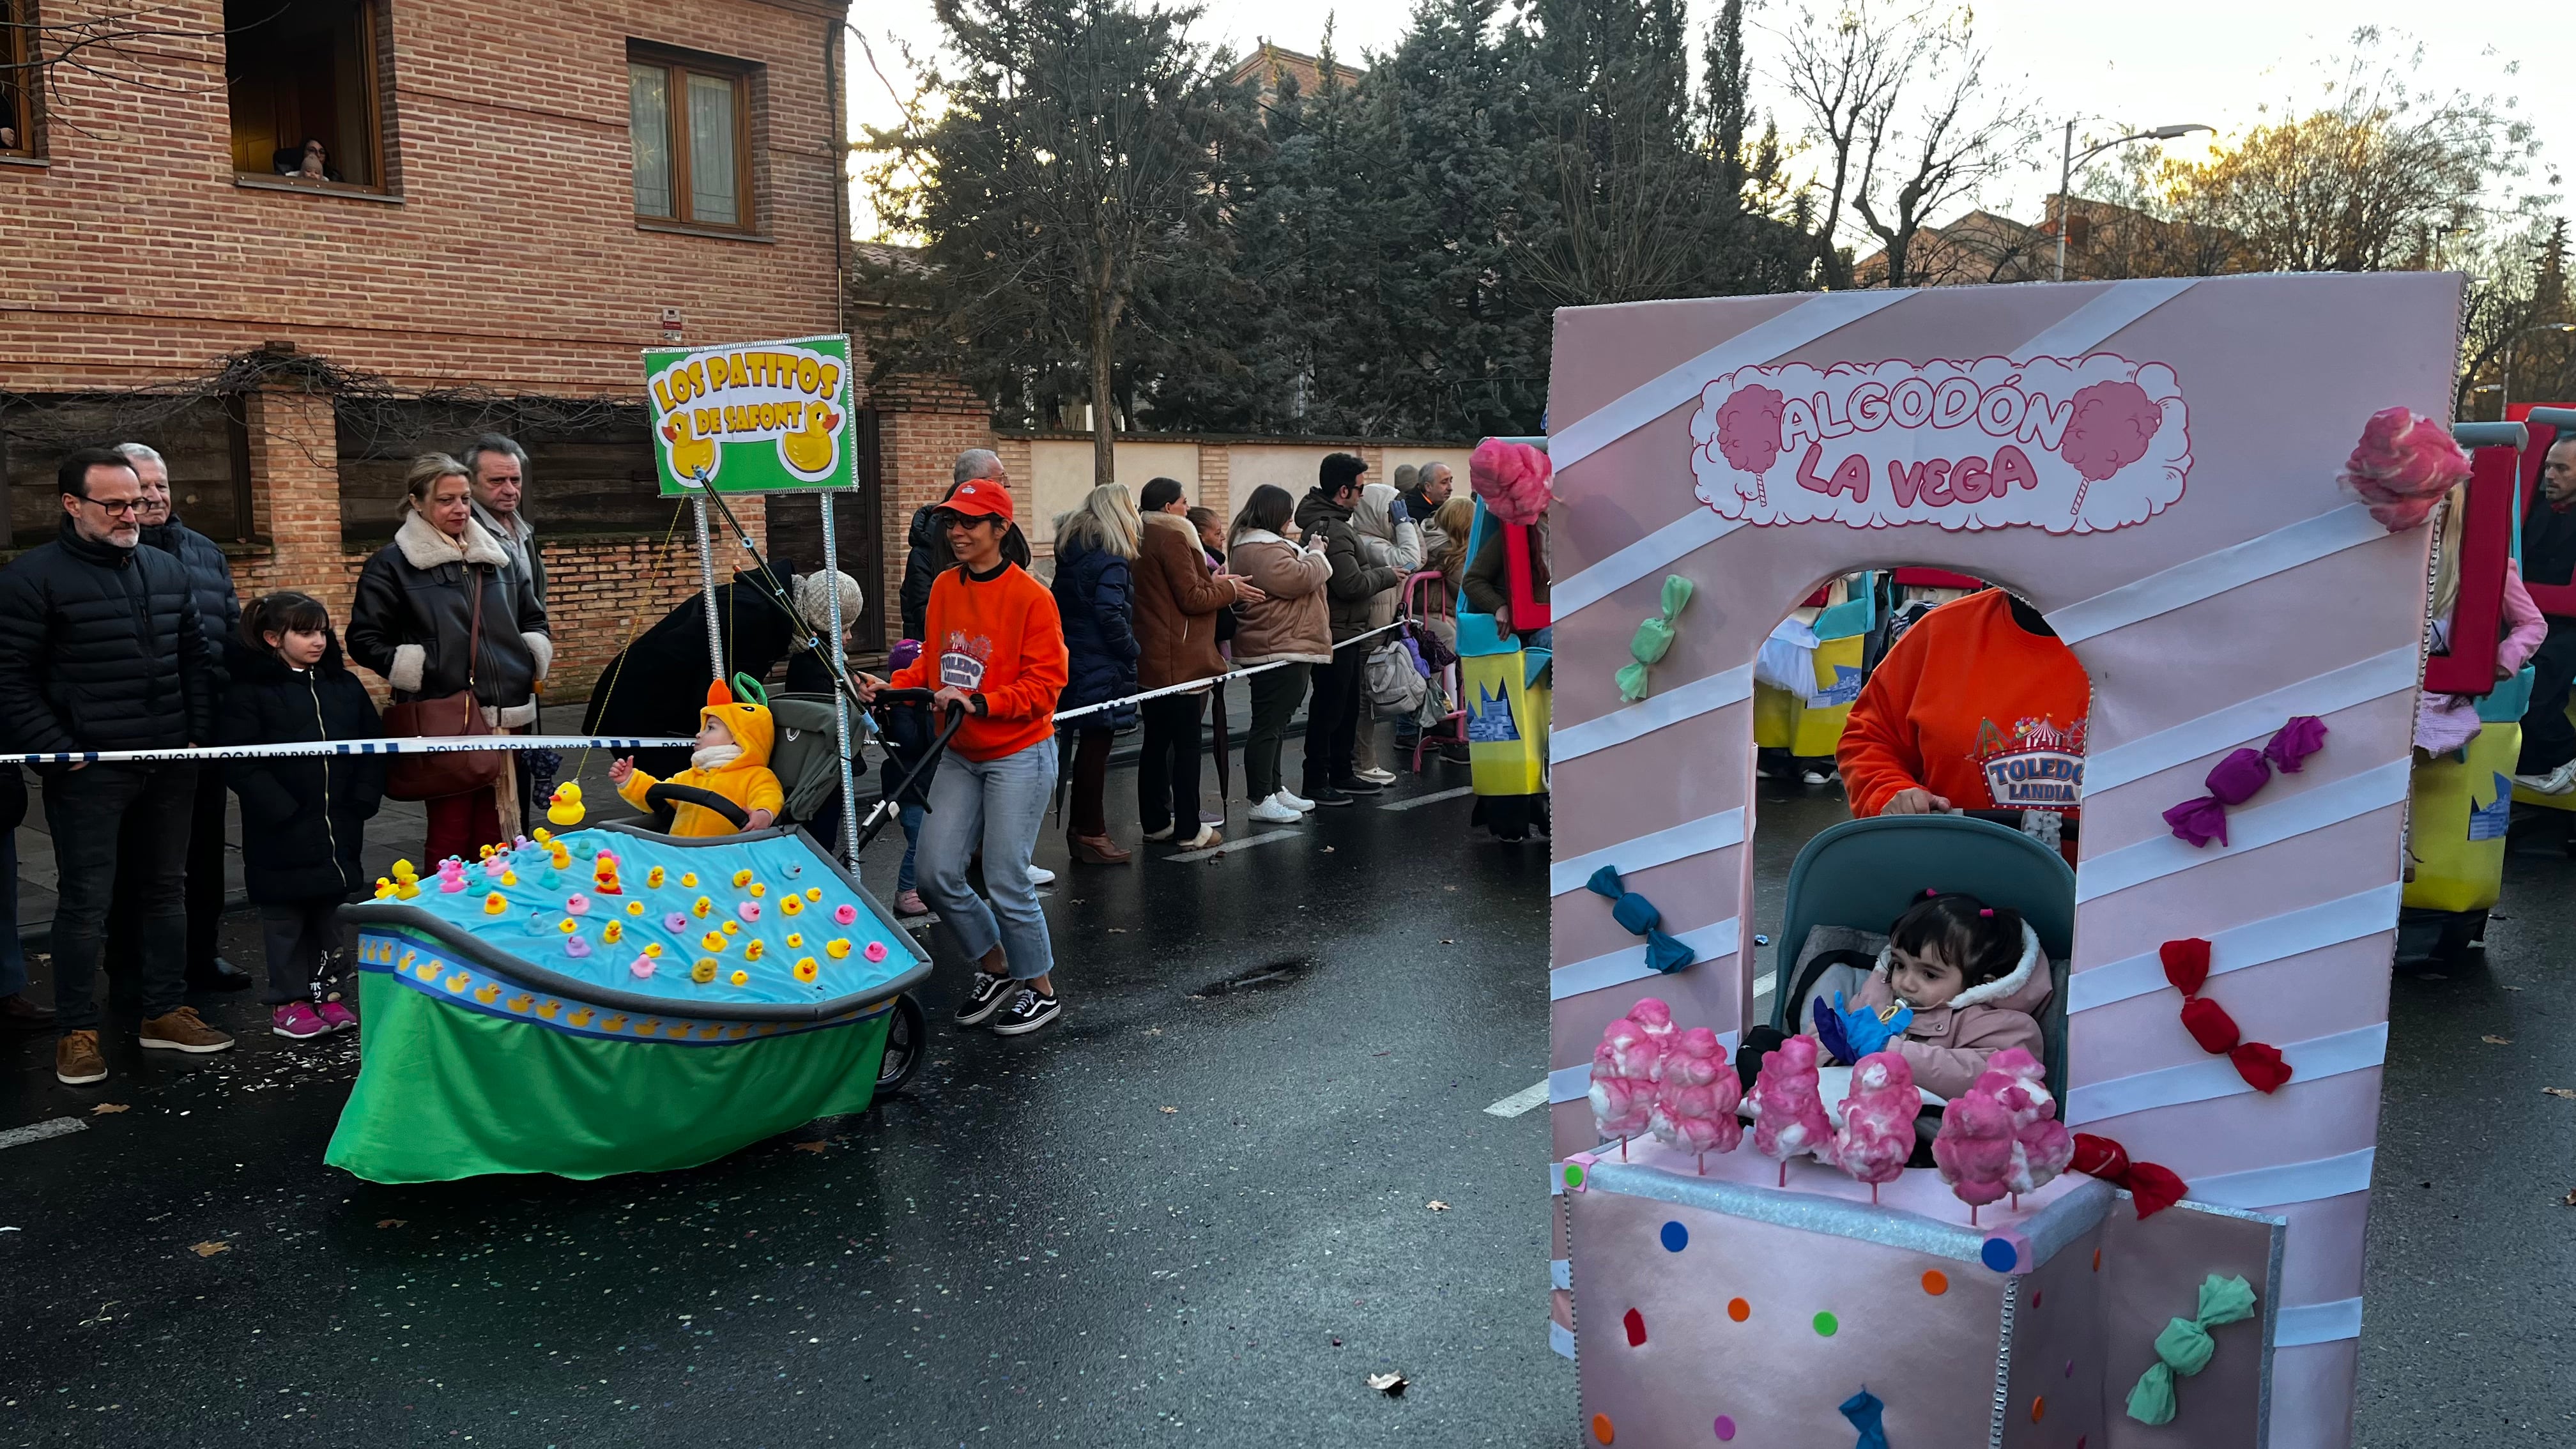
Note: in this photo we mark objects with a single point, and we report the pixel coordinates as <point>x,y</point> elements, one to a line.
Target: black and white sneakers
<point>986,993</point>
<point>1028,1011</point>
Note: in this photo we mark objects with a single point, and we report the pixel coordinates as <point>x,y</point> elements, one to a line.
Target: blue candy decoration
<point>1638,916</point>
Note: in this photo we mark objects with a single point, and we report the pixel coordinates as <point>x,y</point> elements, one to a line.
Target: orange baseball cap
<point>980,497</point>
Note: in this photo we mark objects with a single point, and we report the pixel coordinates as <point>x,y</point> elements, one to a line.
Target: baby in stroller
<point>731,764</point>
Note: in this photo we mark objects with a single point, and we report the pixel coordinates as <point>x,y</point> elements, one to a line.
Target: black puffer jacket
<point>927,557</point>
<point>210,576</point>
<point>304,818</point>
<point>100,649</point>
<point>414,613</point>
<point>1355,581</point>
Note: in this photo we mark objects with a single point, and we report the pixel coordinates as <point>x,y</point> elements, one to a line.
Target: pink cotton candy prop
<point>1788,1114</point>
<point>2112,424</point>
<point>1696,1097</point>
<point>2402,466</point>
<point>1974,1149</point>
<point>1623,1088</point>
<point>1877,1134</point>
<point>2042,1147</point>
<point>1655,1019</point>
<point>1511,478</point>
<point>1748,428</point>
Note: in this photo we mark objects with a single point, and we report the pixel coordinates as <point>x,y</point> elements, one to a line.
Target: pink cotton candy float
<point>844,913</point>
<point>1788,1114</point>
<point>1512,478</point>
<point>1974,1149</point>
<point>1623,1091</point>
<point>2402,466</point>
<point>1877,1134</point>
<point>1696,1096</point>
<point>875,951</point>
<point>1655,1020</point>
<point>2042,1147</point>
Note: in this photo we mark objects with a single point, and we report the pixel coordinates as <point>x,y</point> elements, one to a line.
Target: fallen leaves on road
<point>2493,1040</point>
<point>1169,1111</point>
<point>104,1108</point>
<point>2569,1200</point>
<point>2567,1092</point>
<point>1329,850</point>
<point>208,1250</point>
<point>393,1222</point>
<point>811,1146</point>
<point>1437,1206</point>
<point>1389,1384</point>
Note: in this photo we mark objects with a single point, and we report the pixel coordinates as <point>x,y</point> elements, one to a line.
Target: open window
<point>690,118</point>
<point>306,99</point>
<point>17,78</point>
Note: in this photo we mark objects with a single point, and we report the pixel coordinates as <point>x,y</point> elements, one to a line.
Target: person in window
<point>311,163</point>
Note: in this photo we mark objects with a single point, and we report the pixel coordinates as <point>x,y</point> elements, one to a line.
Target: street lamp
<point>2504,387</point>
<point>2066,172</point>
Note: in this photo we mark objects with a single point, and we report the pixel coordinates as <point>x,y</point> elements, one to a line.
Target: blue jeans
<point>999,805</point>
<point>910,815</point>
<point>13,954</point>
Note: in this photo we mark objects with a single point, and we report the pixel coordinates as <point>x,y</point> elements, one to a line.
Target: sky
<point>2110,68</point>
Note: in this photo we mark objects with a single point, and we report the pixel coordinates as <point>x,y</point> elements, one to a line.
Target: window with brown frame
<point>690,120</point>
<point>305,103</point>
<point>17,78</point>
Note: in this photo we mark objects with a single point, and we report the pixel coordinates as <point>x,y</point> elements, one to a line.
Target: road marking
<point>1231,846</point>
<point>1520,1101</point>
<point>50,1127</point>
<point>1431,799</point>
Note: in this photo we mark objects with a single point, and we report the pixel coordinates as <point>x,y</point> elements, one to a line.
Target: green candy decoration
<point>1653,639</point>
<point>2185,1347</point>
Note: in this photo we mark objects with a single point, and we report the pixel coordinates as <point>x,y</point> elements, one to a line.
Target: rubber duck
<point>704,971</point>
<point>653,878</point>
<point>701,907</point>
<point>641,968</point>
<point>753,950</point>
<point>712,941</point>
<point>612,932</point>
<point>844,913</point>
<point>564,806</point>
<point>384,888</point>
<point>741,878</point>
<point>634,908</point>
<point>792,905</point>
<point>675,923</point>
<point>688,880</point>
<point>451,876</point>
<point>496,904</point>
<point>576,947</point>
<point>577,903</point>
<point>814,893</point>
<point>541,837</point>
<point>876,951</point>
<point>729,928</point>
<point>795,940</point>
<point>748,910</point>
<point>837,948</point>
<point>806,968</point>
<point>653,949</point>
<point>568,925</point>
<point>759,889</point>
<point>509,877</point>
<point>740,978</point>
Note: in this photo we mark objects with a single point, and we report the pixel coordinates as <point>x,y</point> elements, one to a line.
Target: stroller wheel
<point>907,1041</point>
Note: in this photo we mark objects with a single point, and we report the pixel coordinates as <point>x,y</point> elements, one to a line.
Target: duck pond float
<point>612,1000</point>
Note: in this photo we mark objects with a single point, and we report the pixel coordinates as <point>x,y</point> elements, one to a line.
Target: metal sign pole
<point>707,582</point>
<point>840,703</point>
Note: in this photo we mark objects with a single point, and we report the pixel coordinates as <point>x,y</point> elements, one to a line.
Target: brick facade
<point>504,254</point>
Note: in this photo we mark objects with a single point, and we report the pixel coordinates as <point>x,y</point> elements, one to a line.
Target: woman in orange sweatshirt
<point>993,645</point>
<point>1979,707</point>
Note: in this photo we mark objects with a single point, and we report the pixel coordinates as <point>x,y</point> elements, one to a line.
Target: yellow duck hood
<point>751,727</point>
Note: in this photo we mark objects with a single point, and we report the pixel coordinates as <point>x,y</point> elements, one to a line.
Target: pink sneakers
<point>296,1021</point>
<point>336,1017</point>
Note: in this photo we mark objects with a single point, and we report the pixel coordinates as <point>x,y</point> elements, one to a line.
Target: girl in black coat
<point>303,817</point>
<point>1093,545</point>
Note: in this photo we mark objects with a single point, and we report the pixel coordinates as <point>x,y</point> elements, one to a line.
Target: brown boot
<point>77,1062</point>
<point>181,1031</point>
<point>1097,849</point>
<point>17,1013</point>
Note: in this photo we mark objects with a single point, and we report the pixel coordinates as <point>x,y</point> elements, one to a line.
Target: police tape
<point>1196,685</point>
<point>415,745</point>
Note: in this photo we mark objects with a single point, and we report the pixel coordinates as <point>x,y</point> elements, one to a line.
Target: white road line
<point>50,1127</point>
<point>1234,845</point>
<point>1431,799</point>
<point>1520,1101</point>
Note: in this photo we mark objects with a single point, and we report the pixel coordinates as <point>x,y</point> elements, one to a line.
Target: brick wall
<point>507,257</point>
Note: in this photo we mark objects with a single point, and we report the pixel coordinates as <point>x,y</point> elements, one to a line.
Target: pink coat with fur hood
<point>1947,1046</point>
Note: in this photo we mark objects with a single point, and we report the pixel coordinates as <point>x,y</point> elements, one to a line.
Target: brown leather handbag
<point>432,777</point>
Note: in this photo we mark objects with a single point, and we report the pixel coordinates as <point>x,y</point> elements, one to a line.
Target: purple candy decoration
<point>2198,822</point>
<point>2289,749</point>
<point>2235,779</point>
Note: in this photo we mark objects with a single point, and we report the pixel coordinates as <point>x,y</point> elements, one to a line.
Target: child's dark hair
<point>1983,941</point>
<point>281,613</point>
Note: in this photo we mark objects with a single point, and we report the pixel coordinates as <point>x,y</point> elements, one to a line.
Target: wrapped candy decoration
<point>1696,1097</point>
<point>1877,1134</point>
<point>1788,1113</point>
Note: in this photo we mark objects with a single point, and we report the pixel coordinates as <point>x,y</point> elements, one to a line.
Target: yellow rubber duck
<point>704,971</point>
<point>837,949</point>
<point>741,878</point>
<point>689,881</point>
<point>807,969</point>
<point>564,808</point>
<point>740,978</point>
<point>751,951</point>
<point>613,932</point>
<point>701,906</point>
<point>795,939</point>
<point>654,877</point>
<point>808,452</point>
<point>690,455</point>
<point>792,905</point>
<point>496,904</point>
<point>634,908</point>
<point>712,941</point>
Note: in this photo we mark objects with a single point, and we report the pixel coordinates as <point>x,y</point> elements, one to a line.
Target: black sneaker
<point>1354,785</point>
<point>985,995</point>
<point>1028,1012</point>
<point>1327,795</point>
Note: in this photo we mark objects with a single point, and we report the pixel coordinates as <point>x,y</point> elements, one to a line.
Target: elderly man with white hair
<point>210,579</point>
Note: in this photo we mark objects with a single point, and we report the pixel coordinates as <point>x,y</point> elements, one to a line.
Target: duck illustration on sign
<point>759,417</point>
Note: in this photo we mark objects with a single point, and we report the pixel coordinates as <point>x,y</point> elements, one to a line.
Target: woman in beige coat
<point>1289,624</point>
<point>1392,541</point>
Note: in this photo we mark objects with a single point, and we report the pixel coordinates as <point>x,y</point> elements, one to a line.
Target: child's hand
<point>2505,671</point>
<point>760,820</point>
<point>618,772</point>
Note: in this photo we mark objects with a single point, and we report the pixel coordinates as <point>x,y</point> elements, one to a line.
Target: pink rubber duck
<point>1974,1149</point>
<point>1788,1115</point>
<point>2042,1147</point>
<point>1877,1134</point>
<point>1623,1090</point>
<point>1696,1097</point>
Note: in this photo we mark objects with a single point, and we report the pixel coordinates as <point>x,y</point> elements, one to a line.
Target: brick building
<point>508,202</point>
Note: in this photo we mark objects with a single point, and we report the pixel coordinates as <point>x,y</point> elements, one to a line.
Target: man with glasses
<point>100,649</point>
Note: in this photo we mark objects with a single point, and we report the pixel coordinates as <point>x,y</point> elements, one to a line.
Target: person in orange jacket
<point>1978,707</point>
<point>732,760</point>
<point>992,645</point>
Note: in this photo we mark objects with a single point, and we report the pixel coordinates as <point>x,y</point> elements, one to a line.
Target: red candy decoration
<point>2155,1188</point>
<point>1635,1323</point>
<point>2186,963</point>
<point>2209,1025</point>
<point>2187,967</point>
<point>2261,1066</point>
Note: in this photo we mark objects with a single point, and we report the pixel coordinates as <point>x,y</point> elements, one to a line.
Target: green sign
<point>752,417</point>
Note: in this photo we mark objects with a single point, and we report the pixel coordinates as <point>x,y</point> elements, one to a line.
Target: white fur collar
<point>1180,523</point>
<point>1261,535</point>
<point>1998,989</point>
<point>424,547</point>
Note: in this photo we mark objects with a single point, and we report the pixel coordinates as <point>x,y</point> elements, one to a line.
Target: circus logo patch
<point>962,663</point>
<point>2068,445</point>
<point>2039,766</point>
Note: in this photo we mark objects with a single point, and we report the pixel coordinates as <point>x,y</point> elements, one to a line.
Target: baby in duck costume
<point>732,760</point>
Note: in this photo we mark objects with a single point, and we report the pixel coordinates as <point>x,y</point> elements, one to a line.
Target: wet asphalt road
<point>1189,1211</point>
